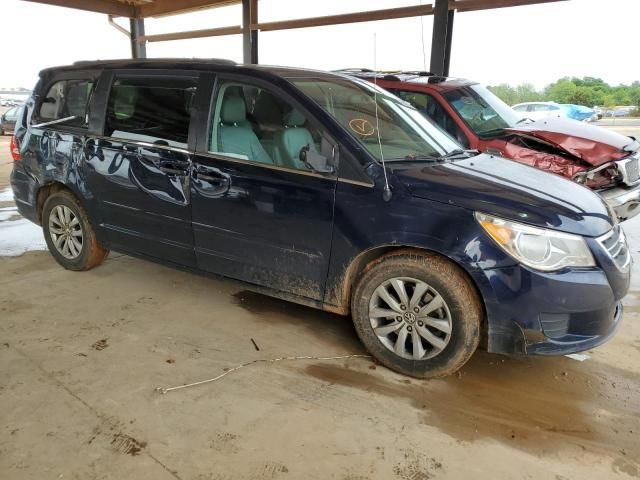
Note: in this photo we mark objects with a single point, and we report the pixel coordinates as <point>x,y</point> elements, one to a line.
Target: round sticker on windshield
<point>361,127</point>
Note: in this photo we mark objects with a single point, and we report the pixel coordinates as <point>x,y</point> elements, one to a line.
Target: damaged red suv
<point>602,160</point>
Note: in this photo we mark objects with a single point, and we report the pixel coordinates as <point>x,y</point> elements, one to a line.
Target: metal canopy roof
<point>156,8</point>
<point>137,10</point>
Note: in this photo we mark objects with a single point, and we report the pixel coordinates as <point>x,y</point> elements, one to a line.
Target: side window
<point>67,98</point>
<point>12,114</point>
<point>255,124</point>
<point>151,109</point>
<point>431,108</point>
<point>520,108</point>
<point>540,107</point>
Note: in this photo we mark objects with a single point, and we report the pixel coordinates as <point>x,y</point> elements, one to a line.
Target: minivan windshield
<point>481,110</point>
<point>381,122</point>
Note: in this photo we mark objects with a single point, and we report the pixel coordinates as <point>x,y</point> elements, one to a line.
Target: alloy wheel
<point>66,232</point>
<point>410,318</point>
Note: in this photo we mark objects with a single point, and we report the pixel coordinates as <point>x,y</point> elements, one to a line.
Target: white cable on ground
<point>262,360</point>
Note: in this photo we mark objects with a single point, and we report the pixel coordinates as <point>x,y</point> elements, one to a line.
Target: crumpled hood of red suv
<point>594,145</point>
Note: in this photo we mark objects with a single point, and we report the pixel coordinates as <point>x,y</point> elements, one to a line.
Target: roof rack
<point>354,70</point>
<point>393,75</point>
<point>222,61</point>
<point>418,73</point>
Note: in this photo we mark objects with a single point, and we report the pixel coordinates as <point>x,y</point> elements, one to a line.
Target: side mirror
<point>314,161</point>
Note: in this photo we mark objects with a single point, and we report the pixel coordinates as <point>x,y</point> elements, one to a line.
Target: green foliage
<point>506,93</point>
<point>561,91</point>
<point>527,92</point>
<point>588,91</point>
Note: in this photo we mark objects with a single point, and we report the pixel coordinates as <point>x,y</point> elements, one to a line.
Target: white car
<point>540,110</point>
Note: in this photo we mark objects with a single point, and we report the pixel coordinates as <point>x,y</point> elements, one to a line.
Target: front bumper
<point>625,202</point>
<point>539,313</point>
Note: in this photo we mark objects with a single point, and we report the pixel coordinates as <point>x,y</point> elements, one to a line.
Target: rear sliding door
<point>138,169</point>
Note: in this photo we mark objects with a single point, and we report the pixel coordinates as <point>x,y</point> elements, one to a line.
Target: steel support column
<point>249,36</point>
<point>439,37</point>
<point>138,49</point>
<point>447,51</point>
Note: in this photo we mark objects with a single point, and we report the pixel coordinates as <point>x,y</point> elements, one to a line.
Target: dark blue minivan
<point>324,190</point>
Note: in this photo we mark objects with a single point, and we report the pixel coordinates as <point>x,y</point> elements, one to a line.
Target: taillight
<point>14,146</point>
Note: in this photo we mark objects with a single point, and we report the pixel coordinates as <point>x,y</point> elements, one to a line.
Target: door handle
<point>207,176</point>
<point>131,149</point>
<point>173,168</point>
<point>213,178</point>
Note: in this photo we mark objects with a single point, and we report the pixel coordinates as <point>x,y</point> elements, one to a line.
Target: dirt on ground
<point>83,355</point>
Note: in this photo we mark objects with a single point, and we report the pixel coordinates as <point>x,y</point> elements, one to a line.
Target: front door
<point>139,168</point>
<point>259,213</point>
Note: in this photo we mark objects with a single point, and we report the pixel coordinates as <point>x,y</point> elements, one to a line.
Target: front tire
<point>417,314</point>
<point>69,234</point>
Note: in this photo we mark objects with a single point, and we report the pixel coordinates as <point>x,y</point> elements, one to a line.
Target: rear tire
<point>69,234</point>
<point>430,330</point>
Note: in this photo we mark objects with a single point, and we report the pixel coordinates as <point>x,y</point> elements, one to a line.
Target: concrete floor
<point>82,354</point>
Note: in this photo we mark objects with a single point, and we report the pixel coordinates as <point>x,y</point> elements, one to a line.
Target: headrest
<point>293,118</point>
<point>266,111</point>
<point>234,110</point>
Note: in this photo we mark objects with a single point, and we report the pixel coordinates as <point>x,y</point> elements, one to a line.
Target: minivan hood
<point>509,190</point>
<point>594,145</point>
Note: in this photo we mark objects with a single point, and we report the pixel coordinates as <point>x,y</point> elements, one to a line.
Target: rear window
<point>154,110</point>
<point>67,98</point>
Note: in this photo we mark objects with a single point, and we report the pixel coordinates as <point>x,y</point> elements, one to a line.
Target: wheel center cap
<point>409,317</point>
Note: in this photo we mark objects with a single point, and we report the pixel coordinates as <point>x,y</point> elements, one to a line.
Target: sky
<point>536,44</point>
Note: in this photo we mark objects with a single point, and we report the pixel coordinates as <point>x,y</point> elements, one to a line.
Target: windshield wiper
<point>459,153</point>
<point>416,157</point>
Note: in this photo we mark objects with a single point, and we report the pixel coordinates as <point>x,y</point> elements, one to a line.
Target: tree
<point>505,92</point>
<point>526,92</point>
<point>582,96</point>
<point>561,91</point>
<point>587,91</point>
<point>609,102</point>
<point>521,93</point>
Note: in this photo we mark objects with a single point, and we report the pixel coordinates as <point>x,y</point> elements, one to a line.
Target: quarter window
<point>255,124</point>
<point>154,110</point>
<point>67,98</point>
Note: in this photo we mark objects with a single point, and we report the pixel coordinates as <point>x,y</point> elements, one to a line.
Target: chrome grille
<point>615,244</point>
<point>630,169</point>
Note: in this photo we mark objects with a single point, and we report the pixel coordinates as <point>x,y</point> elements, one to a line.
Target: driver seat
<point>290,140</point>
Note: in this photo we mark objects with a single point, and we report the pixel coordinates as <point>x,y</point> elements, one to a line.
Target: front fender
<point>374,228</point>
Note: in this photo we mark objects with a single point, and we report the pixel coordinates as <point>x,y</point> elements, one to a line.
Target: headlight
<point>538,248</point>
